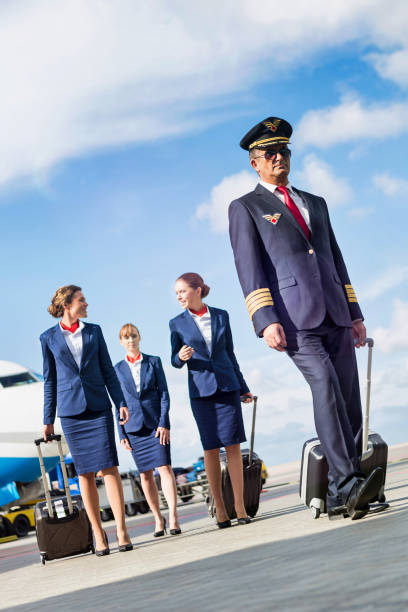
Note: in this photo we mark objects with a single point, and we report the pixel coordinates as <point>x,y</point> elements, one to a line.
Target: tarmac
<point>282,560</point>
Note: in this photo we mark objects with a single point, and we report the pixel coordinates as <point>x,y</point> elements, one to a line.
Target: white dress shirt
<point>74,342</point>
<point>304,211</point>
<point>204,325</point>
<point>135,371</point>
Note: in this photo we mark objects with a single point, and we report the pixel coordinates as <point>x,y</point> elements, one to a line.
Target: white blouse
<point>204,325</point>
<point>135,371</point>
<point>74,342</point>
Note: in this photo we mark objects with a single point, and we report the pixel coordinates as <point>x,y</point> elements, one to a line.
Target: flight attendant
<point>77,372</point>
<point>201,337</point>
<point>147,432</point>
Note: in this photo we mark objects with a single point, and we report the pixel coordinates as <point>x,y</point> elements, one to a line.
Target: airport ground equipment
<point>314,468</point>
<point>252,466</point>
<point>62,525</point>
<point>133,493</point>
<point>21,519</point>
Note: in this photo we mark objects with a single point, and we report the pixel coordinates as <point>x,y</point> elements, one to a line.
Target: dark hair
<point>61,298</point>
<point>194,280</point>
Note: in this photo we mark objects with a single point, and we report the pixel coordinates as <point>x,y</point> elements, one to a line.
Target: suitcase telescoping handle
<point>38,442</point>
<point>251,448</point>
<point>366,418</point>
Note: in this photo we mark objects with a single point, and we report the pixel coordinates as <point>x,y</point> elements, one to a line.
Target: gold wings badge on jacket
<point>272,218</point>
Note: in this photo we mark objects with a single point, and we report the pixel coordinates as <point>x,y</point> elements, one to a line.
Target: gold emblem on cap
<point>272,125</point>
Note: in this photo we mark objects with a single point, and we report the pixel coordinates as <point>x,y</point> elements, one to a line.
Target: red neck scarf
<point>133,359</point>
<point>71,329</point>
<point>200,312</point>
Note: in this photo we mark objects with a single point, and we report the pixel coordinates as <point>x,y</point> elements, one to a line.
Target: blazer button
<point>311,251</point>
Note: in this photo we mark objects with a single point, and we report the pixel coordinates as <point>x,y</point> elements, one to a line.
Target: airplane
<point>21,407</point>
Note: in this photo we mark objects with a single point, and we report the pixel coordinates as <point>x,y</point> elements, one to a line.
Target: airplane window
<point>15,380</point>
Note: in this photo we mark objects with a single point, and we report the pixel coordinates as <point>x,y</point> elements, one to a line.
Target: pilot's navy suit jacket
<point>149,407</point>
<point>75,389</point>
<point>285,277</point>
<point>207,371</point>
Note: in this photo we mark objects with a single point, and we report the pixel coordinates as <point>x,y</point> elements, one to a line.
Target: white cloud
<point>230,188</point>
<point>78,76</point>
<point>351,120</point>
<point>391,185</point>
<point>393,66</point>
<point>384,282</point>
<point>396,336</point>
<point>360,213</point>
<point>318,177</point>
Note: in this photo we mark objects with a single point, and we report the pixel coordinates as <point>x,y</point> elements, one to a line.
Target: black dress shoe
<point>364,490</point>
<point>243,520</point>
<point>103,551</point>
<point>159,534</point>
<point>337,512</point>
<point>175,531</point>
<point>223,524</point>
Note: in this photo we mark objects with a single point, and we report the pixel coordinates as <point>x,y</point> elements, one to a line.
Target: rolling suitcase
<point>252,466</point>
<point>61,523</point>
<point>314,468</point>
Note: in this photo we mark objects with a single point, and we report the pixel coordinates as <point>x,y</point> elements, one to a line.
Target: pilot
<point>300,300</point>
<point>77,372</point>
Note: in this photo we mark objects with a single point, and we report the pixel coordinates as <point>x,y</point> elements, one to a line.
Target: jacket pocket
<point>287,281</point>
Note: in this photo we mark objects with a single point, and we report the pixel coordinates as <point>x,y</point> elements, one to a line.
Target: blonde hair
<point>126,329</point>
<point>61,298</point>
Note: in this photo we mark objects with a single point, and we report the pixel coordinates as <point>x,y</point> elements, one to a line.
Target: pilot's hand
<point>275,337</point>
<point>359,333</point>
<point>48,430</point>
<point>185,353</point>
<point>247,398</point>
<point>123,415</point>
<point>164,435</point>
<point>126,444</point>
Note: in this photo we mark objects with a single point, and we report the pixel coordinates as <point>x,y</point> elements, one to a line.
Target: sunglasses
<point>270,154</point>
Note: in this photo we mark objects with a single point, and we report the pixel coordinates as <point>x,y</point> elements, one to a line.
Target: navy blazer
<point>151,405</point>
<point>207,371</point>
<point>285,277</point>
<point>74,389</point>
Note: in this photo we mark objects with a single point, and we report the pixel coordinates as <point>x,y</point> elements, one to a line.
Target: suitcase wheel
<point>43,559</point>
<point>315,512</point>
<point>381,498</point>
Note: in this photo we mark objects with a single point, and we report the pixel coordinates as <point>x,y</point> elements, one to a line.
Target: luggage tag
<point>59,508</point>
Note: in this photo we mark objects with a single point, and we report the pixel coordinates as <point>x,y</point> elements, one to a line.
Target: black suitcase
<point>61,523</point>
<point>252,466</point>
<point>314,468</point>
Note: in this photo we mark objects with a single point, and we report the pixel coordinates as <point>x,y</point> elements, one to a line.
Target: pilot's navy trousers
<point>326,357</point>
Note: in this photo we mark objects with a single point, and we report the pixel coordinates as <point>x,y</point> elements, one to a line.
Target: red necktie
<point>132,359</point>
<point>71,329</point>
<point>200,312</point>
<point>294,210</point>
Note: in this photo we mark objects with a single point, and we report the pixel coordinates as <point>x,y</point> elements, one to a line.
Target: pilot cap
<point>269,132</point>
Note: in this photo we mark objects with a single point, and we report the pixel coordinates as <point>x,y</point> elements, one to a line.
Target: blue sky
<point>119,156</point>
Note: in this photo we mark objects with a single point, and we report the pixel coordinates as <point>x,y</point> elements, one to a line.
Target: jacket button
<point>311,251</point>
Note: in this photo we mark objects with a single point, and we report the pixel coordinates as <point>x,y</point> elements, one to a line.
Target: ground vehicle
<point>19,520</point>
<point>264,473</point>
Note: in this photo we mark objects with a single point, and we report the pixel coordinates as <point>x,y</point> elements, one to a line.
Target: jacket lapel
<point>65,352</point>
<point>143,368</point>
<point>86,339</point>
<point>197,337</point>
<point>128,378</point>
<point>311,208</point>
<point>271,198</point>
<point>215,324</point>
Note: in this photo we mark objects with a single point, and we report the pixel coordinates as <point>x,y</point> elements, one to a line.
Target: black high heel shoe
<point>124,547</point>
<point>175,531</point>
<point>103,551</point>
<point>243,520</point>
<point>158,534</point>
<point>223,524</point>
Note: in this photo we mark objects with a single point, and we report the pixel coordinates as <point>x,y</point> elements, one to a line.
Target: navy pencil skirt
<point>219,419</point>
<point>91,440</point>
<point>147,451</point>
